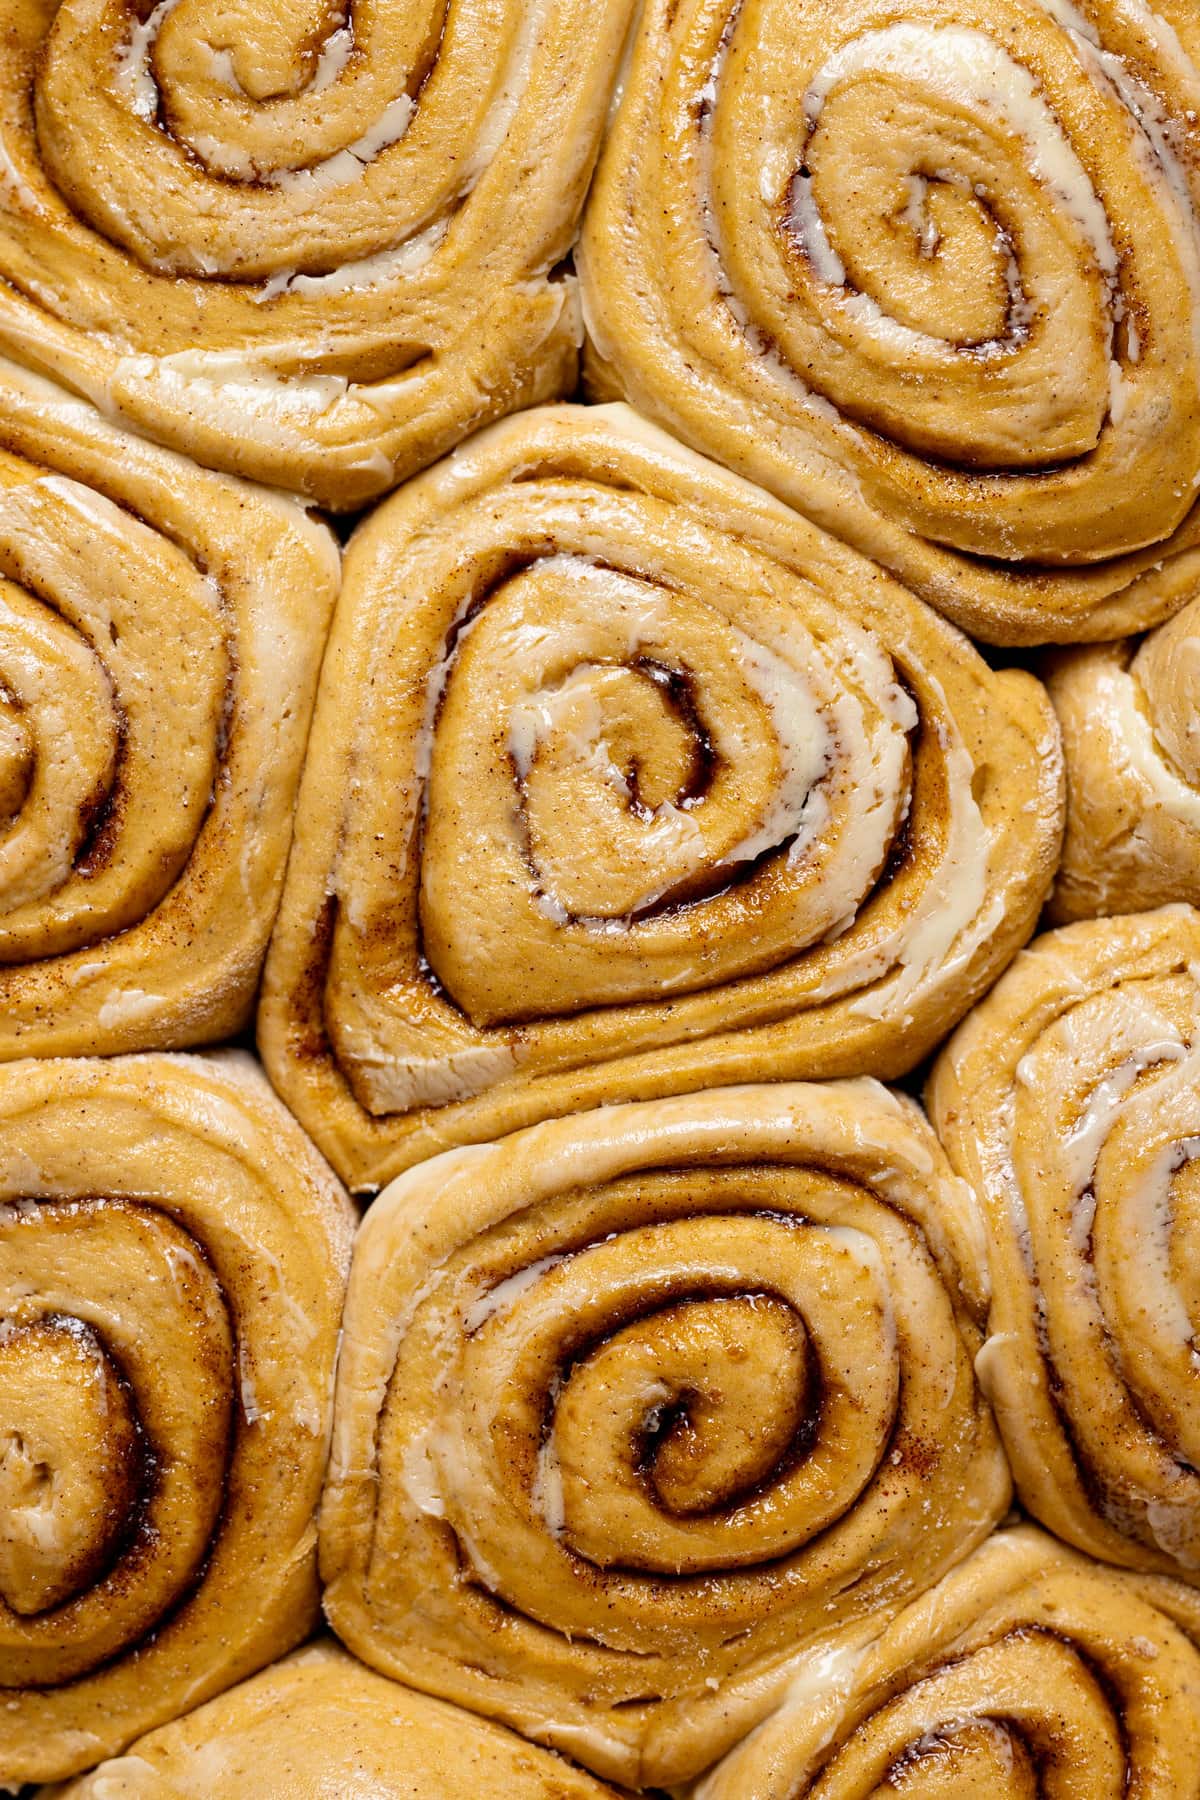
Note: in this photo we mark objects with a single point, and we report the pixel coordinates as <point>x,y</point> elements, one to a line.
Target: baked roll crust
<point>319,1724</point>
<point>641,1414</point>
<point>1028,1668</point>
<point>161,631</point>
<point>315,246</point>
<point>625,780</point>
<point>931,275</point>
<point>173,1259</point>
<point>1130,718</point>
<point>1071,1101</point>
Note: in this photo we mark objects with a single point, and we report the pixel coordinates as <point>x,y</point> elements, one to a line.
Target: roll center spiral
<point>70,1462</point>
<point>114,1458</point>
<point>618,757</point>
<point>715,1393</point>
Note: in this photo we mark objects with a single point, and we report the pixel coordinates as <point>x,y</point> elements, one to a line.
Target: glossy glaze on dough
<point>1028,1670</point>
<point>314,246</point>
<point>173,1257</point>
<point>931,273</point>
<point>1130,718</point>
<point>647,785</point>
<point>641,1414</point>
<point>320,1725</point>
<point>161,631</point>
<point>1071,1101</point>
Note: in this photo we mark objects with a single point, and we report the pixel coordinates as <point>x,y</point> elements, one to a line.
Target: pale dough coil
<point>161,631</point>
<point>313,244</point>
<point>641,1412</point>
<point>1029,1673</point>
<point>1071,1101</point>
<point>1130,719</point>
<point>318,1725</point>
<point>173,1259</point>
<point>626,780</point>
<point>931,273</point>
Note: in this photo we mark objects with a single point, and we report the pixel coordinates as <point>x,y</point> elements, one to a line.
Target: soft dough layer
<point>319,1725</point>
<point>626,780</point>
<point>1028,1671</point>
<point>1071,1101</point>
<point>1130,718</point>
<point>161,630</point>
<point>173,1258</point>
<point>644,1413</point>
<point>931,273</point>
<point>312,244</point>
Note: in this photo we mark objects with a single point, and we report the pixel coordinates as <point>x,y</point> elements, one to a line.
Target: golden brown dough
<point>1130,718</point>
<point>1070,1100</point>
<point>625,780</point>
<point>1029,1671</point>
<point>930,271</point>
<point>643,1413</point>
<point>161,630</point>
<point>173,1258</point>
<point>314,244</point>
<point>319,1725</point>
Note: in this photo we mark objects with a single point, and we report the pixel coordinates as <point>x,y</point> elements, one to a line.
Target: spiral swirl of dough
<point>652,786</point>
<point>318,1724</point>
<point>1029,1673</point>
<point>173,1258</point>
<point>931,273</point>
<point>1071,1101</point>
<point>639,1411</point>
<point>310,241</point>
<point>1130,718</point>
<point>161,630</point>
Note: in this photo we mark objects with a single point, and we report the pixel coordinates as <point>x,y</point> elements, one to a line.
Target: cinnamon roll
<point>1130,718</point>
<point>316,244</point>
<point>318,1724</point>
<point>644,784</point>
<point>930,274</point>
<point>161,631</point>
<point>173,1259</point>
<point>1071,1101</point>
<point>1029,1671</point>
<point>642,1413</point>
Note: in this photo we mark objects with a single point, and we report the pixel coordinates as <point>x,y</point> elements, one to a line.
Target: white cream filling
<point>953,916</point>
<point>1165,788</point>
<point>1083,1145</point>
<point>347,165</point>
<point>405,259</point>
<point>500,115</point>
<point>134,79</point>
<point>331,63</point>
<point>400,1083</point>
<point>225,386</point>
<point>504,1296</point>
<point>1165,1311</point>
<point>127,1007</point>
